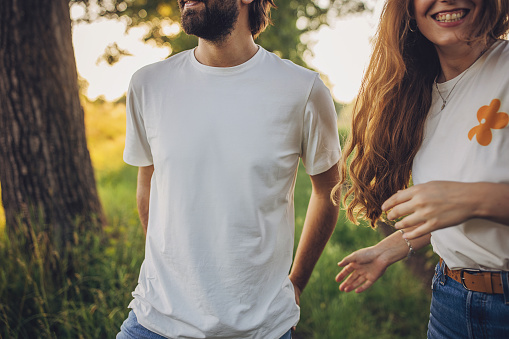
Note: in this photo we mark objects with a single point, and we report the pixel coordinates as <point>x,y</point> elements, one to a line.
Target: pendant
<point>443,105</point>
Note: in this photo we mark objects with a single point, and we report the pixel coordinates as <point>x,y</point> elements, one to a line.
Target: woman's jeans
<point>456,312</point>
<point>131,329</point>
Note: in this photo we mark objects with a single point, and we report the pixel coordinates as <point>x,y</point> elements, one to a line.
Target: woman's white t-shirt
<point>469,142</point>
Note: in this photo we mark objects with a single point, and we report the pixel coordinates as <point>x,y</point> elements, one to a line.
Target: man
<point>217,133</point>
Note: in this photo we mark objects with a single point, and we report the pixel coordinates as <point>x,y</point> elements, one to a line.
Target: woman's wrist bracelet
<point>410,248</point>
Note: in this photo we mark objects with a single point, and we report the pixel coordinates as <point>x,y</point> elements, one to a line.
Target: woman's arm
<point>363,267</point>
<point>439,204</point>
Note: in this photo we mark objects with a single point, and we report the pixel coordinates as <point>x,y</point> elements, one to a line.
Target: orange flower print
<point>489,118</point>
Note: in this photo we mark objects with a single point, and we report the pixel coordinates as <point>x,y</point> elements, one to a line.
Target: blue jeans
<point>456,312</point>
<point>131,329</point>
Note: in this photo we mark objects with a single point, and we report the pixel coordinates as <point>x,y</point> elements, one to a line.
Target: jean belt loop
<point>443,277</point>
<point>504,275</point>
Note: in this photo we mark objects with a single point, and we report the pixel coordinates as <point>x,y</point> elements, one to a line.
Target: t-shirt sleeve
<point>320,147</point>
<point>137,148</point>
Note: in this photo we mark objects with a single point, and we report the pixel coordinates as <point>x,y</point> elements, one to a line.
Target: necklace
<point>444,100</point>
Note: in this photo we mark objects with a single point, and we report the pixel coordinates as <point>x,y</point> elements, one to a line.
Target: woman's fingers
<point>364,286</point>
<point>403,209</point>
<point>397,198</point>
<point>353,278</point>
<point>345,272</point>
<point>348,259</point>
<point>411,220</point>
<point>357,268</point>
<point>356,282</point>
<point>421,230</point>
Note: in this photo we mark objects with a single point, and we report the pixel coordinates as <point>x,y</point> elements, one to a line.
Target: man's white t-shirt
<point>469,142</point>
<point>225,144</point>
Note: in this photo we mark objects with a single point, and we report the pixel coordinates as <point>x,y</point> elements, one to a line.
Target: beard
<point>213,23</point>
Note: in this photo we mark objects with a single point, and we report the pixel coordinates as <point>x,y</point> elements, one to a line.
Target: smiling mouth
<point>451,16</point>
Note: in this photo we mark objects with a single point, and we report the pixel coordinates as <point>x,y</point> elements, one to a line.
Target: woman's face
<point>447,23</point>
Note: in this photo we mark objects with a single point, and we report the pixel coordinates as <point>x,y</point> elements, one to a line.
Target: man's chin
<point>190,12</point>
<point>191,20</point>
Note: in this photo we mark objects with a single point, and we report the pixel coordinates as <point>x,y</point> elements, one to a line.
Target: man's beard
<point>214,23</point>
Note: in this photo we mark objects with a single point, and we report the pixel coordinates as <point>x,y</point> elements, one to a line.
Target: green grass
<point>37,300</point>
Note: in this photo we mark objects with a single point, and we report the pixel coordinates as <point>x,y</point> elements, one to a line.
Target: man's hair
<point>259,15</point>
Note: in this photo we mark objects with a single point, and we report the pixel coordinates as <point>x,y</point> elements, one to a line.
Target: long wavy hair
<point>392,105</point>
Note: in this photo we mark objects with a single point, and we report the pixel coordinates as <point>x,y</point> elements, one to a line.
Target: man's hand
<point>297,293</point>
<point>297,298</point>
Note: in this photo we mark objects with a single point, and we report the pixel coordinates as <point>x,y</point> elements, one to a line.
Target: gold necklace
<point>444,100</point>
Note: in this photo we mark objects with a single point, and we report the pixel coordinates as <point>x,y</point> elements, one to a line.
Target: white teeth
<point>450,17</point>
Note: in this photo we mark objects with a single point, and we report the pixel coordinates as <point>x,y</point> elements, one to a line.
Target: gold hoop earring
<point>412,26</point>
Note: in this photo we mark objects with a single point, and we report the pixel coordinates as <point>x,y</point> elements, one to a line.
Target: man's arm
<point>321,218</point>
<point>143,194</point>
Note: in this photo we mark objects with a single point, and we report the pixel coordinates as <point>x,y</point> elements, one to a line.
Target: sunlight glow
<point>111,82</point>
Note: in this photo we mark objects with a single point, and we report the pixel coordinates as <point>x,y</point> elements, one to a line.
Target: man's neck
<point>237,48</point>
<point>233,51</point>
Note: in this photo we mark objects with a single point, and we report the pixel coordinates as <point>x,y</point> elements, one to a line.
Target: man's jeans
<point>131,329</point>
<point>456,312</point>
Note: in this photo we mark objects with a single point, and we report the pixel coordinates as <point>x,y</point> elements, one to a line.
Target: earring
<point>412,25</point>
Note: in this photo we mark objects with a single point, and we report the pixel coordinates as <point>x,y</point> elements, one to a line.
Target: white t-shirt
<point>457,148</point>
<point>225,144</point>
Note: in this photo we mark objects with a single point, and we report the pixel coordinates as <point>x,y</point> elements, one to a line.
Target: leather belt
<point>478,281</point>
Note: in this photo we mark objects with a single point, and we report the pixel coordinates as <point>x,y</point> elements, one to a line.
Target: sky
<point>341,52</point>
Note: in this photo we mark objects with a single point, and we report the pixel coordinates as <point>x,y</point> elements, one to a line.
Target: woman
<point>433,109</point>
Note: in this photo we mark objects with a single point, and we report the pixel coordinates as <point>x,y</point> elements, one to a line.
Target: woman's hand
<point>432,206</point>
<point>363,268</point>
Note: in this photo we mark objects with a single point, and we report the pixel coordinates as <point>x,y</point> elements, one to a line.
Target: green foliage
<point>292,19</point>
<point>89,303</point>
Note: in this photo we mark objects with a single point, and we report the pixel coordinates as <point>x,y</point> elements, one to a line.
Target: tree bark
<point>45,169</point>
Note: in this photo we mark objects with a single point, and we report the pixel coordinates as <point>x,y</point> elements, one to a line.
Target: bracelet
<point>410,248</point>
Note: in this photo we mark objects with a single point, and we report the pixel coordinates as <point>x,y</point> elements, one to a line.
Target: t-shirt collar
<point>227,70</point>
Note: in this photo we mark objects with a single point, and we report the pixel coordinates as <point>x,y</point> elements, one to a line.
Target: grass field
<point>92,303</point>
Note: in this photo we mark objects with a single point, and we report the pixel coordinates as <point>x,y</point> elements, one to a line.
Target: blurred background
<point>70,241</point>
<point>339,49</point>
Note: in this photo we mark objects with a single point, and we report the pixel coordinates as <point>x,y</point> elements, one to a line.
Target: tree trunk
<point>45,169</point>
